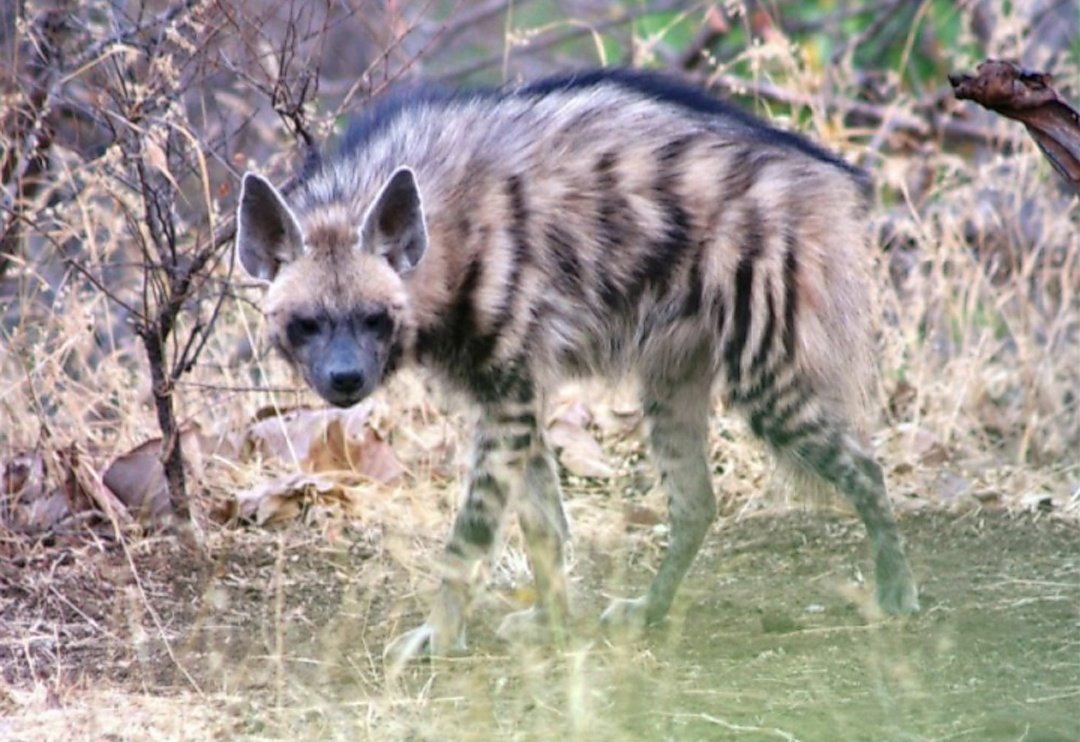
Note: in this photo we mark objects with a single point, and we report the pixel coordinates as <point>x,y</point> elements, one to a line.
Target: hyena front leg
<point>493,479</point>
<point>677,418</point>
<point>511,468</point>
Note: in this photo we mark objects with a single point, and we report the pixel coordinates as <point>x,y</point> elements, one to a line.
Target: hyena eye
<point>301,329</point>
<point>377,322</point>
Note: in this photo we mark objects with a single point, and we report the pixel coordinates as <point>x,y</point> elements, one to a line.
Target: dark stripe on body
<point>695,286</point>
<point>563,246</point>
<point>791,292</point>
<point>765,345</point>
<point>615,225</point>
<point>741,175</point>
<point>662,256</point>
<point>753,246</point>
<point>519,255</point>
<point>457,345</point>
<point>785,414</point>
<point>770,423</point>
<point>495,385</point>
<point>458,325</point>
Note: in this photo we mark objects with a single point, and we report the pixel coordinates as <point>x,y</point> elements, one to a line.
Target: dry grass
<point>279,635</point>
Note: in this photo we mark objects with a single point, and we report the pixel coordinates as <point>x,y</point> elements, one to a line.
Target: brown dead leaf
<point>137,477</point>
<point>578,451</point>
<point>929,450</point>
<point>154,152</point>
<point>84,489</point>
<point>641,515</point>
<point>42,513</point>
<point>283,499</point>
<point>328,440</point>
<point>618,416</point>
<point>289,436</point>
<point>24,473</point>
<point>366,454</point>
<point>988,496</point>
<point>26,504</point>
<point>576,447</point>
<point>520,597</point>
<point>572,412</point>
<point>429,450</point>
<point>902,401</point>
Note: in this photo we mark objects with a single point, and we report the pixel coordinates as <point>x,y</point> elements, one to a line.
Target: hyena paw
<point>625,618</point>
<point>529,627</point>
<point>420,643</point>
<point>412,645</point>
<point>896,591</point>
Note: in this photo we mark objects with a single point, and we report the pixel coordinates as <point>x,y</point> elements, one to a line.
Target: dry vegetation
<point>134,384</point>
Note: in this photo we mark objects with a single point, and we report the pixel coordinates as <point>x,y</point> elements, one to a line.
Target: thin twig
<point>542,44</point>
<point>920,127</point>
<point>732,727</point>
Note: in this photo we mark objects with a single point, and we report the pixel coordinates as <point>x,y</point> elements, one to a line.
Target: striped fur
<point>610,223</point>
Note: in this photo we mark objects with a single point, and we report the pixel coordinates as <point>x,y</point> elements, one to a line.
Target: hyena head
<point>336,303</point>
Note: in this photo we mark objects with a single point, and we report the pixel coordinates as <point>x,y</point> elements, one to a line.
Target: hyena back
<point>610,223</point>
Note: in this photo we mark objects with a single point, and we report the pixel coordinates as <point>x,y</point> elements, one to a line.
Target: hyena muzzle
<point>613,223</point>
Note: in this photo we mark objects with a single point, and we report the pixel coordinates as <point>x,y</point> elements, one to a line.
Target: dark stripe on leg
<point>783,416</point>
<point>786,437</point>
<point>485,483</point>
<point>477,531</point>
<point>527,419</point>
<point>518,442</point>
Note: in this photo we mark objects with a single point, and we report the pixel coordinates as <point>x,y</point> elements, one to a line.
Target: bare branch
<point>1028,97</point>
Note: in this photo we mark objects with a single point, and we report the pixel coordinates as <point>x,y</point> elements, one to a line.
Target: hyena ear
<point>394,225</point>
<point>267,233</point>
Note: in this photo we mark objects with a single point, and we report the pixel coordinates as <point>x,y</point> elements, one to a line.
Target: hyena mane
<point>610,222</point>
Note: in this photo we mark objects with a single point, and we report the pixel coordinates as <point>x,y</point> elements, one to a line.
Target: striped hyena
<point>614,223</point>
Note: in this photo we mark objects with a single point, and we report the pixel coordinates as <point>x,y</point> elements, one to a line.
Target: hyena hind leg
<point>677,418</point>
<point>826,448</point>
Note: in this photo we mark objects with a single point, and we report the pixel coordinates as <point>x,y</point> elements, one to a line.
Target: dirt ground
<point>279,636</point>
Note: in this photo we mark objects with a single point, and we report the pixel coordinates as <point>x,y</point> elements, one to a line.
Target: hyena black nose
<point>347,382</point>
